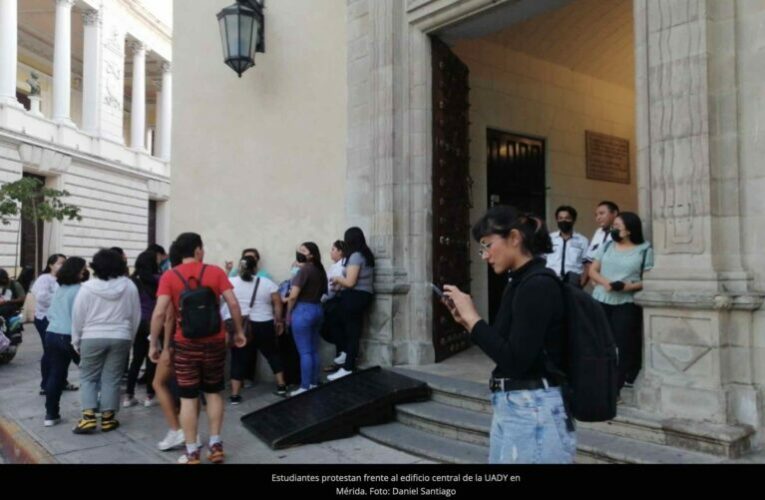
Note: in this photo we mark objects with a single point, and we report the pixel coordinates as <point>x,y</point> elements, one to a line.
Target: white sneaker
<point>340,360</point>
<point>298,392</point>
<point>173,439</point>
<point>149,402</point>
<point>312,387</point>
<point>50,422</point>
<point>129,402</point>
<point>342,372</point>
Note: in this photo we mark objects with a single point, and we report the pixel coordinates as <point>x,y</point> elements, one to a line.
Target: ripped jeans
<point>529,427</point>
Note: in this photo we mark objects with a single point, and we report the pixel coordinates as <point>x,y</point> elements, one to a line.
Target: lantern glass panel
<point>245,36</point>
<point>232,30</point>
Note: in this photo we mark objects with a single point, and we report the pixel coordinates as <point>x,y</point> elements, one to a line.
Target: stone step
<point>722,440</point>
<point>593,448</point>
<point>454,392</point>
<point>446,421</point>
<point>423,444</point>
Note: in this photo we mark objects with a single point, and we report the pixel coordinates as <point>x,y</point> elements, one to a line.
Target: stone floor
<point>472,365</point>
<point>141,428</point>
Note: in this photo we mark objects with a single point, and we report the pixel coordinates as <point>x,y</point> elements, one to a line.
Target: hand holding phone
<point>438,291</point>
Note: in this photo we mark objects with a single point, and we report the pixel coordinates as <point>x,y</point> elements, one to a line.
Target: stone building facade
<point>100,127</point>
<point>693,90</point>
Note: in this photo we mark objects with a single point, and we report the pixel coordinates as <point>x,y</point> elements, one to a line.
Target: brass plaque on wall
<point>608,158</point>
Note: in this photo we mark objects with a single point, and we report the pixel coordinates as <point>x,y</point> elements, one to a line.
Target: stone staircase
<point>453,427</point>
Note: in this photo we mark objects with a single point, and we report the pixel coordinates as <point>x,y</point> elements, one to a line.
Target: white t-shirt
<point>43,289</point>
<point>263,309</point>
<point>575,249</point>
<point>599,239</point>
<point>335,271</point>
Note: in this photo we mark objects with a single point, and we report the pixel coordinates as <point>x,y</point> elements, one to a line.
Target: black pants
<point>263,340</point>
<point>332,327</point>
<point>141,353</point>
<point>353,304</point>
<point>60,353</point>
<point>626,322</point>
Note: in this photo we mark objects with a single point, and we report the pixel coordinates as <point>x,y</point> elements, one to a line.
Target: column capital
<point>65,3</point>
<point>137,47</point>
<point>92,17</point>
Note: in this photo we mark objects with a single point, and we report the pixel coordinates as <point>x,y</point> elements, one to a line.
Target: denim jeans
<point>529,427</point>
<point>306,325</point>
<point>42,329</point>
<point>60,355</point>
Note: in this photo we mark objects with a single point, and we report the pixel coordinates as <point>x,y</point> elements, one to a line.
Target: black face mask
<point>301,258</point>
<point>566,226</point>
<point>616,236</point>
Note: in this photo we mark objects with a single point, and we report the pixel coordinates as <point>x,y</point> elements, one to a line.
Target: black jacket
<point>530,320</point>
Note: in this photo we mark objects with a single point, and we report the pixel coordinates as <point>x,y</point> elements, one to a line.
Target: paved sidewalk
<point>141,428</point>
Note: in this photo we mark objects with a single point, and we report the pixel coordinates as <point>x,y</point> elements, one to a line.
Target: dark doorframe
<point>515,174</point>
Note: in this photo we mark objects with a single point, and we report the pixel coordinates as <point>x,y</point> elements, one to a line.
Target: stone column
<point>62,63</point>
<point>138,110</point>
<point>8,52</point>
<point>166,119</point>
<point>698,300</point>
<point>157,118</point>
<point>91,20</point>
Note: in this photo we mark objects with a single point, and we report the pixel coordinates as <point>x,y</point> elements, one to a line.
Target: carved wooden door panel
<point>451,192</point>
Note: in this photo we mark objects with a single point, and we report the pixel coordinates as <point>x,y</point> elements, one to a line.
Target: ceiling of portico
<point>594,37</point>
<point>37,22</point>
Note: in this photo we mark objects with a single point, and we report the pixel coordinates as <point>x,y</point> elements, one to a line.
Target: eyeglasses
<point>485,247</point>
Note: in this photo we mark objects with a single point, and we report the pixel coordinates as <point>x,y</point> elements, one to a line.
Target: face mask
<point>565,226</point>
<point>616,236</point>
<point>294,271</point>
<point>301,258</point>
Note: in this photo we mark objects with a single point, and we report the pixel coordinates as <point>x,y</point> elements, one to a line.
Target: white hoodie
<point>106,310</point>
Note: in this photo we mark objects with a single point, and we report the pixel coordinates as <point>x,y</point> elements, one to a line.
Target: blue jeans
<point>306,328</point>
<point>42,329</point>
<point>60,354</point>
<point>529,427</point>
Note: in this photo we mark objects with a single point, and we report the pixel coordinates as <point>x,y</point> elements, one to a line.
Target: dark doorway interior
<point>152,222</point>
<point>516,176</point>
<point>28,243</point>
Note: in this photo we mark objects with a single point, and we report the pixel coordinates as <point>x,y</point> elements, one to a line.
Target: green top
<point>616,265</point>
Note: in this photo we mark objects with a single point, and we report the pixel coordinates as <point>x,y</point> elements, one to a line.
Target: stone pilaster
<point>698,300</point>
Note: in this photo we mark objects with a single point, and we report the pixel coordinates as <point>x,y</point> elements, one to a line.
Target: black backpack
<point>199,309</point>
<point>589,376</point>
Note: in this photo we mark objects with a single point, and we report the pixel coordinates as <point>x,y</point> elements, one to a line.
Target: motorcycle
<point>11,329</point>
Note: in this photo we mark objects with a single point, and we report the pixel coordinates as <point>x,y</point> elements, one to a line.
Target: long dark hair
<point>52,261</point>
<point>501,220</point>
<point>248,266</point>
<point>356,242</point>
<point>634,225</point>
<point>145,272</point>
<point>314,249</point>
<point>71,272</point>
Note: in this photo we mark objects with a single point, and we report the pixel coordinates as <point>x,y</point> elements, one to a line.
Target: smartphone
<point>437,290</point>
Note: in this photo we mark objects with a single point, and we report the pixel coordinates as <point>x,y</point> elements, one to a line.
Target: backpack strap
<point>254,292</point>
<point>185,282</point>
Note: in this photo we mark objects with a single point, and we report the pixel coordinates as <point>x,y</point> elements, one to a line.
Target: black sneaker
<point>42,392</point>
<point>235,400</point>
<point>281,390</point>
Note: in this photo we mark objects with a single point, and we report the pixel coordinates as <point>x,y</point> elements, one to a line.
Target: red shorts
<point>199,367</point>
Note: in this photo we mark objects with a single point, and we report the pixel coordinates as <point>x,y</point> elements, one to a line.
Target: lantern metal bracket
<point>258,6</point>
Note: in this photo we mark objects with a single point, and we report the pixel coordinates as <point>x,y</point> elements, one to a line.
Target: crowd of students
<point>182,319</point>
